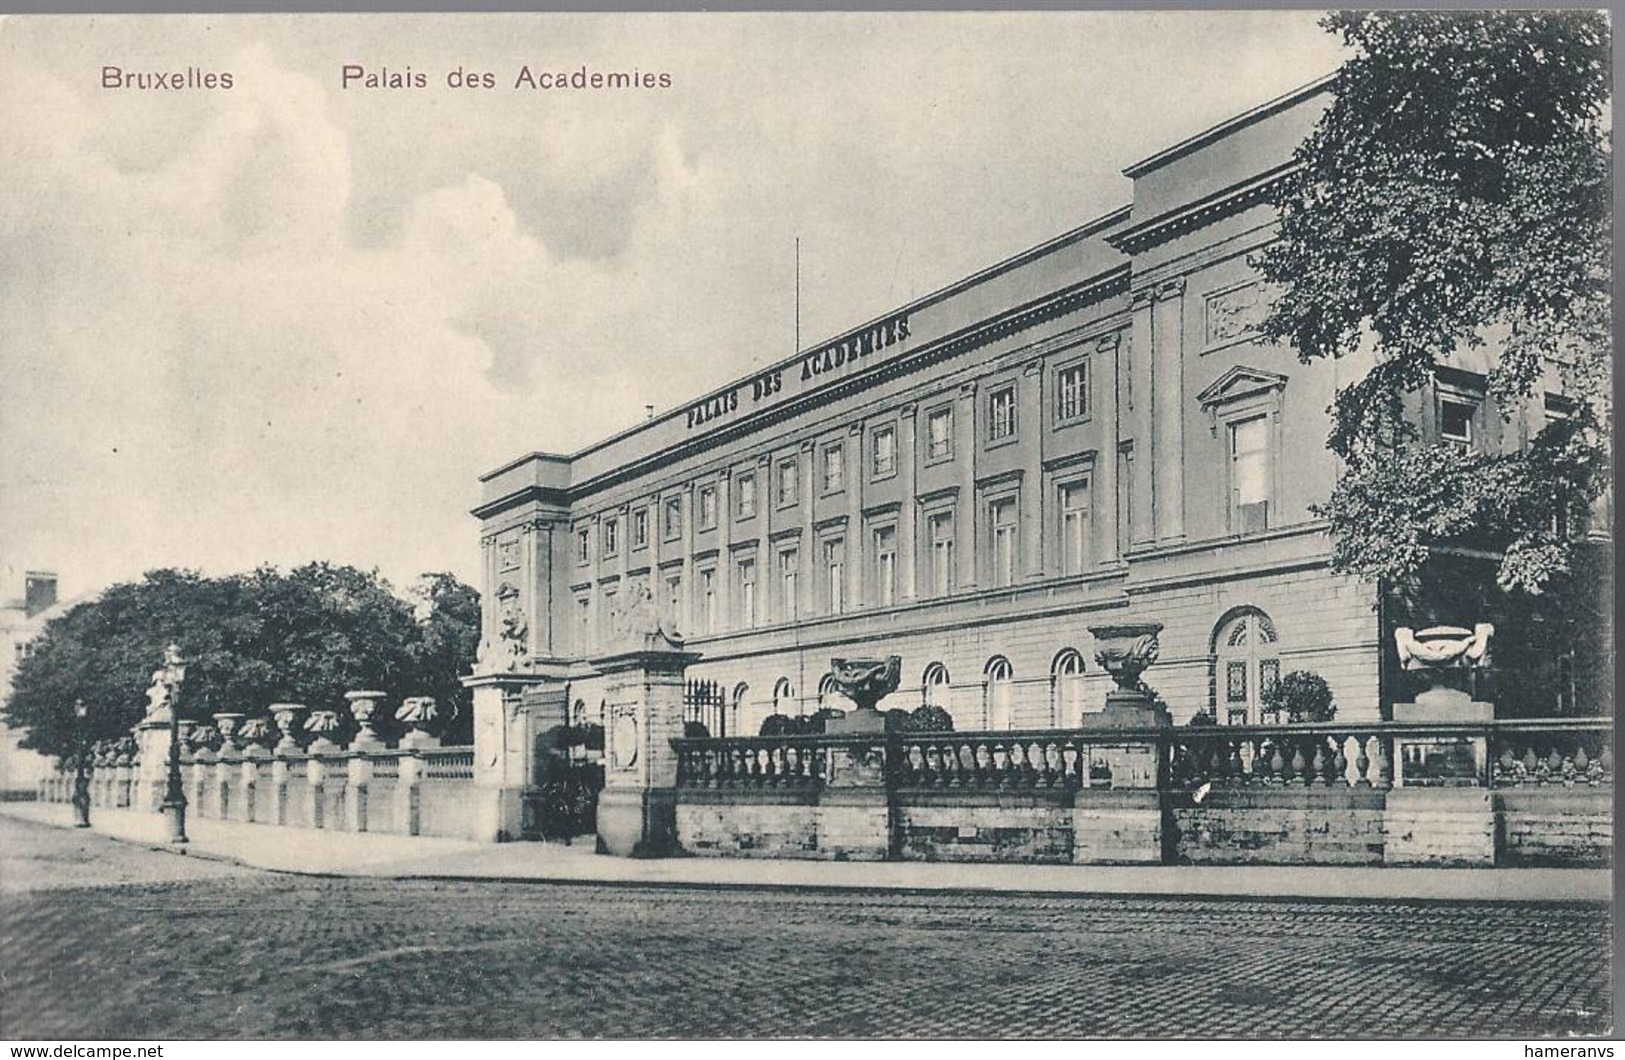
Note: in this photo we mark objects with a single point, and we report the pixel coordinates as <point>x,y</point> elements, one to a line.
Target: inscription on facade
<point>840,356</point>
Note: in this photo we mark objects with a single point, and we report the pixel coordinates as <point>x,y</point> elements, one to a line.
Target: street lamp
<point>174,804</point>
<point>81,777</point>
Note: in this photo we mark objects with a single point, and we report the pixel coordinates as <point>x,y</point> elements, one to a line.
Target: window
<point>640,528</point>
<point>1125,496</point>
<point>789,573</point>
<point>746,486</point>
<point>998,694</point>
<point>584,620</point>
<point>1456,422</point>
<point>1072,392</point>
<point>835,575</point>
<point>934,686</point>
<point>747,593</point>
<point>941,529</point>
<point>583,545</point>
<point>1002,518</point>
<point>708,508</point>
<point>674,598</point>
<point>784,697</point>
<point>1001,413</point>
<point>939,433</point>
<point>883,452</point>
<point>672,519</point>
<point>1249,475</point>
<point>611,613</point>
<point>1066,676</point>
<point>789,486</point>
<point>885,566</point>
<point>1075,527</point>
<point>612,536</point>
<point>834,468</point>
<point>708,600</point>
<point>1247,665</point>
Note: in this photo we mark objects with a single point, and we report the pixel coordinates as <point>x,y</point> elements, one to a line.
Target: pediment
<point>1240,382</point>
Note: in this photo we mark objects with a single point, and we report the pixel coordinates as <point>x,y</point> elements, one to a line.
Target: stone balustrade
<point>1510,792</point>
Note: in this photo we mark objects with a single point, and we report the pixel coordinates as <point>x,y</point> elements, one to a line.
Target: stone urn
<point>1440,654</point>
<point>287,723</point>
<point>363,705</point>
<point>865,682</point>
<point>227,725</point>
<point>323,725</point>
<point>419,712</point>
<point>1125,650</point>
<point>255,736</point>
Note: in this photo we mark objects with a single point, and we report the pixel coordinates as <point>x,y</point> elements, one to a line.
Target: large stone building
<point>1088,432</point>
<point>21,621</point>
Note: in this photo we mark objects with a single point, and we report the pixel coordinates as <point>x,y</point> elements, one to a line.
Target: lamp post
<point>174,804</point>
<point>81,778</point>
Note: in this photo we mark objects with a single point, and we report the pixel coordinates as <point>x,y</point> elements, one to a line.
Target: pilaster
<point>966,442</point>
<point>908,460</point>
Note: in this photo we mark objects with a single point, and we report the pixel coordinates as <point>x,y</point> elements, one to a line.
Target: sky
<point>295,320</point>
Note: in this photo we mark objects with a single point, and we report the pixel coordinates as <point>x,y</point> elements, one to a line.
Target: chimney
<point>39,591</point>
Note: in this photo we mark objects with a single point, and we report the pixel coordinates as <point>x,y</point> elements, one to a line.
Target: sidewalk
<point>316,852</point>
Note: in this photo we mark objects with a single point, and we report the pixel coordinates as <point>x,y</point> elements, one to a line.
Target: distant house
<point>21,621</point>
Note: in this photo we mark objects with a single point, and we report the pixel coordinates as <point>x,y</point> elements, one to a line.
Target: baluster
<point>1288,769</point>
<point>1055,763</point>
<point>1236,773</point>
<point>1384,765</point>
<point>1605,759</point>
<point>1340,762</point>
<point>1318,767</point>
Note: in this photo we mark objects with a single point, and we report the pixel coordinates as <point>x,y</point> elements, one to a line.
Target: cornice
<point>1146,234</point>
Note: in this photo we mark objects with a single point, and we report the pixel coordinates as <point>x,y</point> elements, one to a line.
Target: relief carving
<point>1235,313</point>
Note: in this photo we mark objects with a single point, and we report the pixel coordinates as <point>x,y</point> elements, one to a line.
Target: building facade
<point>21,621</point>
<point>1086,433</point>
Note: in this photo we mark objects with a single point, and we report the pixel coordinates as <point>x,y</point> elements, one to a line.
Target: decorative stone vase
<point>1125,651</point>
<point>255,735</point>
<point>1438,654</point>
<point>323,725</point>
<point>287,723</point>
<point>226,725</point>
<point>363,705</point>
<point>419,712</point>
<point>865,682</point>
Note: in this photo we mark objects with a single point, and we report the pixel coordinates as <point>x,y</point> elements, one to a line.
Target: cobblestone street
<point>104,939</point>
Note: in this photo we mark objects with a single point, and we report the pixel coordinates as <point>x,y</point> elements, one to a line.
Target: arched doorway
<point>1247,664</point>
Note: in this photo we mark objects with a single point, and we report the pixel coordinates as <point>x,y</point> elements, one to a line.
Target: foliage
<point>1301,696</point>
<point>929,717</point>
<point>819,722</point>
<point>305,636</point>
<point>1455,196</point>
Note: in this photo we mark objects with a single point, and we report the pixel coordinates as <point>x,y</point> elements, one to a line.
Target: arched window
<point>998,693</point>
<point>578,713</point>
<point>1247,664</point>
<point>1066,688</point>
<point>784,698</point>
<point>739,720</point>
<point>934,686</point>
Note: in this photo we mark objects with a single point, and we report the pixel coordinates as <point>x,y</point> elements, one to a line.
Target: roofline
<point>536,454</point>
<point>1230,125</point>
<point>1083,231</point>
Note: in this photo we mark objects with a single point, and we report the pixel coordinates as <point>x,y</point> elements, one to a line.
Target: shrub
<point>775,725</point>
<point>1302,696</point>
<point>930,718</point>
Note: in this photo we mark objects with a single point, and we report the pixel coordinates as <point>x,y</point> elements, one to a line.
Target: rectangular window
<point>674,598</point>
<point>1456,422</point>
<point>834,468</point>
<point>708,508</point>
<point>1001,413</point>
<point>885,566</point>
<point>584,620</point>
<point>789,485</point>
<point>746,486</point>
<point>835,575</point>
<point>672,519</point>
<point>942,553</point>
<point>1074,527</point>
<point>611,612</point>
<point>708,600</point>
<point>583,545</point>
<point>883,452</point>
<point>1250,475</point>
<point>1002,518</point>
<point>939,433</point>
<point>789,573</point>
<point>747,593</point>
<point>1072,392</point>
<point>612,536</point>
<point>640,528</point>
<point>1125,496</point>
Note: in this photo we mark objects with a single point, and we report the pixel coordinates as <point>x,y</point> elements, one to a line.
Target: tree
<point>307,636</point>
<point>448,614</point>
<point>1455,195</point>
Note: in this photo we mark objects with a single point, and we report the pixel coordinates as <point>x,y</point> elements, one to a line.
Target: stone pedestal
<point>503,707</point>
<point>863,720</point>
<point>637,814</point>
<point>152,736</point>
<point>854,815</point>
